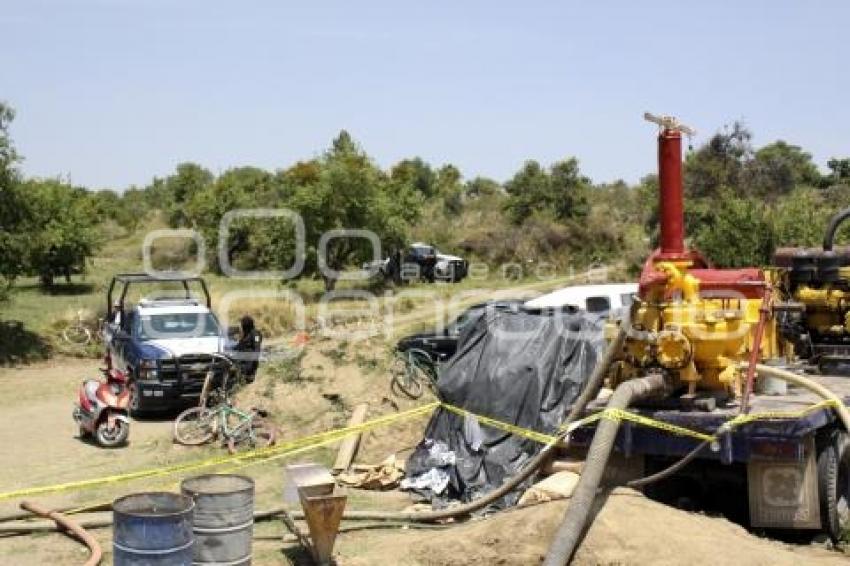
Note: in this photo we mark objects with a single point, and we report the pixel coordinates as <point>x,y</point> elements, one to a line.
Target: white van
<point>602,299</point>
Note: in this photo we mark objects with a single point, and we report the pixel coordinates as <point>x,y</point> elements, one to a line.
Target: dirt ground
<point>41,447</point>
<point>629,530</point>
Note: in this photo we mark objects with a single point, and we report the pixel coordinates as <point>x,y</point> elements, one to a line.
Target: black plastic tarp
<point>523,368</point>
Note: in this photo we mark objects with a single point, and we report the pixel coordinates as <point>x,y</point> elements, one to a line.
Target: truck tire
<point>135,404</point>
<point>833,464</point>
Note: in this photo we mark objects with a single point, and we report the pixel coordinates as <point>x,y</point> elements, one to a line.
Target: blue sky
<point>111,93</point>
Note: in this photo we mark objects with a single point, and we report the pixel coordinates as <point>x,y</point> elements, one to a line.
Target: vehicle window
<point>183,325</point>
<point>626,299</point>
<point>423,251</point>
<point>464,320</point>
<point>127,321</point>
<point>598,304</point>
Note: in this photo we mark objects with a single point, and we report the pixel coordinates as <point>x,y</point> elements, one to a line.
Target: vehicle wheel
<point>402,383</point>
<point>114,436</point>
<point>135,403</point>
<point>195,426</point>
<point>833,463</point>
<point>83,432</point>
<point>77,335</point>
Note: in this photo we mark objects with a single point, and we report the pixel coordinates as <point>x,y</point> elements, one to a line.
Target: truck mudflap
<point>783,494</point>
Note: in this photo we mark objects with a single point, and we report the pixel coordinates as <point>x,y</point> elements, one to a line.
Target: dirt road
<point>36,404</point>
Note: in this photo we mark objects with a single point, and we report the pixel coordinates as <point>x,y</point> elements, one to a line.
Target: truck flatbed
<point>767,438</point>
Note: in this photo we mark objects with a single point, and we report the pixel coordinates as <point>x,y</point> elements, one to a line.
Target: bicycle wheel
<point>262,435</point>
<point>195,426</point>
<point>424,369</point>
<point>404,379</point>
<point>77,334</point>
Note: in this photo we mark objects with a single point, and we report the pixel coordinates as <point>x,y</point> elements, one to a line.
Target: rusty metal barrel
<point>152,529</point>
<point>224,518</point>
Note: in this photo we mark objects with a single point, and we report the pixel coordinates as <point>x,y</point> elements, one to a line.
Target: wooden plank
<point>348,446</point>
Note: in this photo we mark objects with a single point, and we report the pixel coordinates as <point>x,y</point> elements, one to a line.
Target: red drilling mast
<point>748,281</point>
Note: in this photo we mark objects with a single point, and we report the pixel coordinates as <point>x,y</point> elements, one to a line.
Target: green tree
<point>237,188</point>
<point>735,232</point>
<point>133,209</point>
<point>718,164</point>
<point>416,174</point>
<point>778,168</point>
<point>800,218</point>
<point>561,191</point>
<point>449,188</point>
<point>351,192</point>
<point>14,209</point>
<point>62,227</point>
<point>177,190</point>
<point>481,187</point>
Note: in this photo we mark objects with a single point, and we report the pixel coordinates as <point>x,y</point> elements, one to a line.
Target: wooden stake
<point>348,446</point>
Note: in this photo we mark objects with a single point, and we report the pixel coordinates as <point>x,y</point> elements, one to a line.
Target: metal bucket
<point>224,518</point>
<point>152,529</point>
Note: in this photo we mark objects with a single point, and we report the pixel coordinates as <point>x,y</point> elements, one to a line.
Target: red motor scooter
<point>103,409</point>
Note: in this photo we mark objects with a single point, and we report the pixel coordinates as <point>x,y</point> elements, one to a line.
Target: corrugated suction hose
<point>581,503</point>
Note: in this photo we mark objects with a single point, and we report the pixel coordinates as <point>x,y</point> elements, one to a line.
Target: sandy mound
<point>630,529</point>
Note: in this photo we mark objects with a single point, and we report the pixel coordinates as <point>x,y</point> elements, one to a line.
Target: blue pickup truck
<point>166,343</point>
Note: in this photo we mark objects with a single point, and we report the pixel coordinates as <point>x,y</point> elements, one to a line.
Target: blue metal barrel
<point>152,529</point>
<point>224,518</point>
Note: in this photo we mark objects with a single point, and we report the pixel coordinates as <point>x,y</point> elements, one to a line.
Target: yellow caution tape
<point>297,446</point>
<point>279,450</point>
<point>779,415</point>
<point>513,429</point>
<point>621,415</point>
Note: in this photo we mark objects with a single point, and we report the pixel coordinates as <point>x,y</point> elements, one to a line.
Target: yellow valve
<point>684,282</point>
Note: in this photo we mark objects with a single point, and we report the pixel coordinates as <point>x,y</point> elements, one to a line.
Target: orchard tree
<point>177,190</point>
<point>800,218</point>
<point>62,227</point>
<point>778,168</point>
<point>449,188</point>
<point>351,192</point>
<point>735,232</point>
<point>416,174</point>
<point>719,164</point>
<point>562,191</point>
<point>14,210</point>
<point>237,188</point>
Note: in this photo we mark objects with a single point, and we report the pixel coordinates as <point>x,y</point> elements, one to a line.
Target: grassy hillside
<point>32,320</point>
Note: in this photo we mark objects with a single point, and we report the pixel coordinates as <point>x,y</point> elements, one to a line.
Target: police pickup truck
<point>166,343</point>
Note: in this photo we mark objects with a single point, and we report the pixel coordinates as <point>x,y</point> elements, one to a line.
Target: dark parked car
<point>443,345</point>
<point>420,261</point>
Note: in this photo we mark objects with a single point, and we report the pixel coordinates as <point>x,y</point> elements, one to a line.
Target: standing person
<point>249,344</point>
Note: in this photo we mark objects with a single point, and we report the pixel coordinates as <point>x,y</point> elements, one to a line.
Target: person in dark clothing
<point>249,345</point>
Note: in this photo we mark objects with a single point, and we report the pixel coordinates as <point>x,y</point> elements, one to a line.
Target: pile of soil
<point>630,529</point>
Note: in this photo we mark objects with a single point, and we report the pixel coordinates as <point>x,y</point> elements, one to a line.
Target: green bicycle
<point>413,370</point>
<point>217,417</point>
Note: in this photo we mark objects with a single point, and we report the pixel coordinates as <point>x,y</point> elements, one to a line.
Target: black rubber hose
<point>832,228</point>
<point>575,519</point>
<point>669,470</point>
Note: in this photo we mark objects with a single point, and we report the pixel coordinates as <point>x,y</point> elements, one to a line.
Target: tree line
<point>741,202</point>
